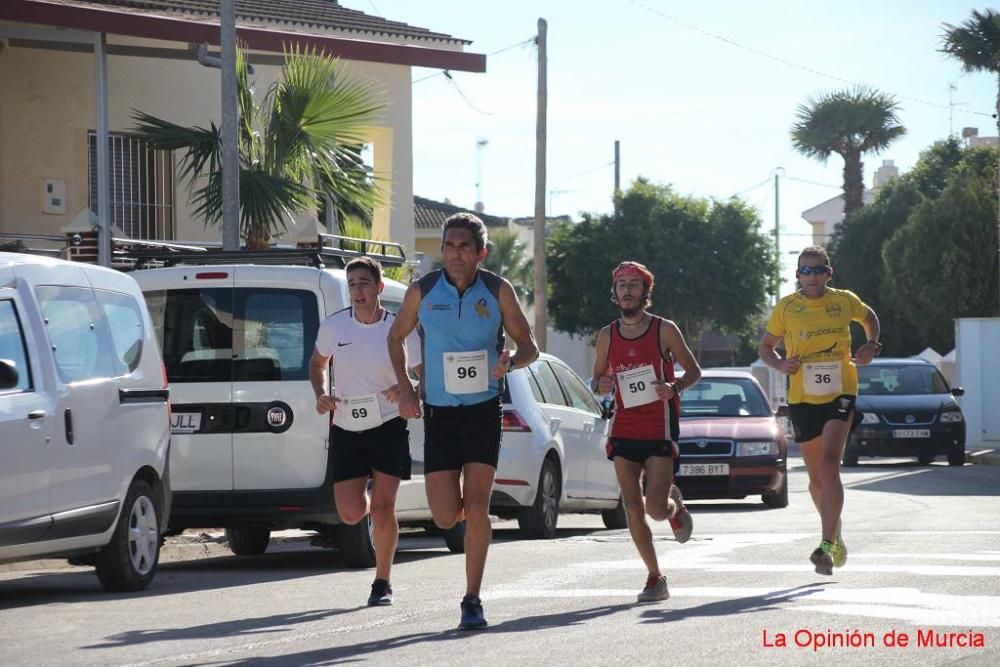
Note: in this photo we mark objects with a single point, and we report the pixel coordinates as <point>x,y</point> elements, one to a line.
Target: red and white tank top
<point>634,363</point>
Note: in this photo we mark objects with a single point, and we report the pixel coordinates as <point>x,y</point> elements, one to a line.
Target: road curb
<point>989,457</point>
<point>177,548</point>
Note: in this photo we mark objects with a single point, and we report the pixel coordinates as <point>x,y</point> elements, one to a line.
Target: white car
<point>553,458</point>
<point>84,420</point>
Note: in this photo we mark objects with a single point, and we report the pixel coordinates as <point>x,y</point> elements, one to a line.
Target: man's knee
<point>351,514</point>
<point>383,510</point>
<point>658,510</point>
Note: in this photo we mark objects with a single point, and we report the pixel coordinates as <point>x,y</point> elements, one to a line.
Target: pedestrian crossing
<point>721,556</point>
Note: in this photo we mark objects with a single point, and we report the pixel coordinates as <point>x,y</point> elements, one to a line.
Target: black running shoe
<point>472,614</point>
<point>381,594</point>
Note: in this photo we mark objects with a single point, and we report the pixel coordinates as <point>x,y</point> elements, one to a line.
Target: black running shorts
<point>640,450</point>
<point>454,436</point>
<point>385,448</point>
<point>808,419</point>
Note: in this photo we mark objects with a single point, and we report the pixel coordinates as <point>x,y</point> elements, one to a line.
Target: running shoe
<point>822,558</point>
<point>839,553</point>
<point>472,614</point>
<point>681,522</point>
<point>655,590</point>
<point>381,594</point>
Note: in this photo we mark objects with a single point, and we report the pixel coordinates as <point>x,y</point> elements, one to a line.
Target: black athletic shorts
<point>640,450</point>
<point>808,419</point>
<point>454,436</point>
<point>385,448</point>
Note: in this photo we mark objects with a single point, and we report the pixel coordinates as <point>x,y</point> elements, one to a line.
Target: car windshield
<point>724,397</point>
<point>900,380</point>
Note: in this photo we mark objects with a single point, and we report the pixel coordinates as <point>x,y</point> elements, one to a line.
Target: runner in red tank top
<point>635,355</point>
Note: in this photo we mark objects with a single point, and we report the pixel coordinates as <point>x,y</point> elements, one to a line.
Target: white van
<point>250,454</point>
<point>84,420</point>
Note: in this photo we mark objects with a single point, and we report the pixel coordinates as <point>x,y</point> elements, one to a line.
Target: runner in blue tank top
<point>462,311</point>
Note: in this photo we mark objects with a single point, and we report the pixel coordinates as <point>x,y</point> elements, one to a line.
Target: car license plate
<point>911,433</point>
<point>703,469</point>
<point>185,422</point>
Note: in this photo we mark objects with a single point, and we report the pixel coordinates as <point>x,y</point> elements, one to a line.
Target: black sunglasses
<point>810,270</point>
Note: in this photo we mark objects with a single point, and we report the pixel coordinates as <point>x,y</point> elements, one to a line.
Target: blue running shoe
<point>472,614</point>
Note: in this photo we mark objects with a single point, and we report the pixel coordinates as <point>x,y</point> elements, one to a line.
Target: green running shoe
<point>839,553</point>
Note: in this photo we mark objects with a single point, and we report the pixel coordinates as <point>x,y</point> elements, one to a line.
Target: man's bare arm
<point>517,326</point>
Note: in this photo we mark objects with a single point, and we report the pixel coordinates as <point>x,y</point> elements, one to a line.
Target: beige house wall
<point>47,106</point>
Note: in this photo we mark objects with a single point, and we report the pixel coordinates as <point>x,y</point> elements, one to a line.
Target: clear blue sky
<point>690,107</point>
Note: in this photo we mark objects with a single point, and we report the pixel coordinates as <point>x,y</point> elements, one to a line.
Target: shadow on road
<point>732,607</point>
<point>80,586</point>
<point>367,650</point>
<point>906,478</point>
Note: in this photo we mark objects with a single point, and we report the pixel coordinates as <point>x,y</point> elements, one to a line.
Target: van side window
<point>125,323</point>
<point>195,330</point>
<point>77,332</point>
<point>279,332</point>
<point>12,345</point>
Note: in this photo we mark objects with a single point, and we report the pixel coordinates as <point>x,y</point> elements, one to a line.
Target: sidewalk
<point>189,545</point>
<point>982,456</point>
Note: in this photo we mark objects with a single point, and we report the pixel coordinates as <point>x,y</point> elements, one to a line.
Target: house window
<point>142,186</point>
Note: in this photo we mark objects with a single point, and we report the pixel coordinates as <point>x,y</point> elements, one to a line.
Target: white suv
<point>84,420</point>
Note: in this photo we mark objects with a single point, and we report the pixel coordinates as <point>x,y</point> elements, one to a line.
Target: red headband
<point>632,269</point>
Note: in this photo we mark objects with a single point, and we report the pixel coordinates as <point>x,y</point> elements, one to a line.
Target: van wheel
<point>779,498</point>
<point>539,520</point>
<point>956,455</point>
<point>248,541</point>
<point>355,542</point>
<point>615,518</point>
<point>128,562</point>
<point>454,537</point>
<point>925,460</point>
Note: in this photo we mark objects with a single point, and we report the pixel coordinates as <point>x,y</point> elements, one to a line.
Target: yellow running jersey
<point>818,332</point>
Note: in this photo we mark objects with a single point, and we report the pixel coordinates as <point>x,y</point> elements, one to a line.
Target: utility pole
<point>480,145</point>
<point>777,238</point>
<point>230,128</point>
<point>618,164</point>
<point>541,296</point>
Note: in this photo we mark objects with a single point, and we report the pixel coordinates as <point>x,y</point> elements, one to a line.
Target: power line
<point>822,185</point>
<point>530,40</point>
<point>751,188</point>
<point>787,63</point>
<point>472,106</point>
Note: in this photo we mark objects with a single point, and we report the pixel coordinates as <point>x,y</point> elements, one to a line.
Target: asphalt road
<point>924,562</point>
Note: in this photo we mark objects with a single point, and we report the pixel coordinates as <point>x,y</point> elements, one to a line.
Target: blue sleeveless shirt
<point>450,323</point>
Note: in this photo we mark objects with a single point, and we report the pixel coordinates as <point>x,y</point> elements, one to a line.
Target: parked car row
<point>96,464</point>
<point>84,389</point>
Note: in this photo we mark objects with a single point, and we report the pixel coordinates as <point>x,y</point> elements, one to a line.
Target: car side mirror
<point>782,410</point>
<point>8,374</point>
<point>957,391</point>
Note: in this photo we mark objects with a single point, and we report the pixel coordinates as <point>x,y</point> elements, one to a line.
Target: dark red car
<point>732,443</point>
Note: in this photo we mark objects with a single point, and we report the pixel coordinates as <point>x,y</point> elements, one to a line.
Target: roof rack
<point>331,248</point>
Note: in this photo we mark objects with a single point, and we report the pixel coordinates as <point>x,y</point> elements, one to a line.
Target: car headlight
<point>762,448</point>
<point>869,418</point>
<point>951,417</point>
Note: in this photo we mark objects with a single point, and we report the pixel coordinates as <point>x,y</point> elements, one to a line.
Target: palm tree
<point>507,258</point>
<point>849,123</point>
<point>300,144</point>
<point>977,44</point>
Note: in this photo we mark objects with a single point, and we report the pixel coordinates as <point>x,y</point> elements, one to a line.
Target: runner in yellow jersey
<point>815,325</point>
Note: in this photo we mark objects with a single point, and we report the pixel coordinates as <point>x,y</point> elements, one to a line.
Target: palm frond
<point>976,42</point>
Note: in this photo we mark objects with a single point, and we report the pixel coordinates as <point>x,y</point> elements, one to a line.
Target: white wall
<point>977,370</point>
